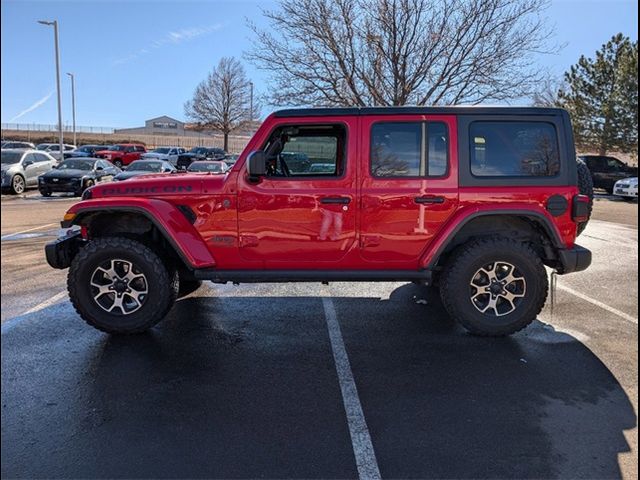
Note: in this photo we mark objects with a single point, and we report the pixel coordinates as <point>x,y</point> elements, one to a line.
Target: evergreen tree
<point>602,96</point>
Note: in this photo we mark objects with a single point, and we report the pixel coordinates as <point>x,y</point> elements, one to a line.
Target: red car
<point>122,154</point>
<point>476,201</point>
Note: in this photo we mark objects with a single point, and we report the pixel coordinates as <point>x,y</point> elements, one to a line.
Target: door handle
<point>335,200</point>
<point>429,199</point>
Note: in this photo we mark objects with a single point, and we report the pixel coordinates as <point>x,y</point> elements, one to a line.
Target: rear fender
<point>459,220</point>
<point>167,218</point>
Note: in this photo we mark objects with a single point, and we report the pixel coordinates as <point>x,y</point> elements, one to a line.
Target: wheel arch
<point>177,237</point>
<point>527,225</point>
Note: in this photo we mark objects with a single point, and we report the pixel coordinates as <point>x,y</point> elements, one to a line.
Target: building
<point>163,125</point>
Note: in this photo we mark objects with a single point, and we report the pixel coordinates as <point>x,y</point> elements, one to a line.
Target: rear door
<point>295,217</point>
<point>409,185</point>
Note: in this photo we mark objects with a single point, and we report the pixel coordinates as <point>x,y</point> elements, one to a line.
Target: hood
<point>161,184</point>
<point>66,173</point>
<point>154,155</point>
<point>135,173</point>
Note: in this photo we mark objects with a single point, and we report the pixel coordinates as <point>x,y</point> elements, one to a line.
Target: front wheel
<point>120,286</point>
<point>494,286</point>
<point>18,184</point>
<point>118,163</point>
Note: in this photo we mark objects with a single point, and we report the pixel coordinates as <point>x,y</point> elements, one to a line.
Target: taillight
<point>581,208</point>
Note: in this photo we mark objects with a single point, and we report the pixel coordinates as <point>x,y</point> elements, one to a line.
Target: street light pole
<point>55,34</point>
<point>73,105</point>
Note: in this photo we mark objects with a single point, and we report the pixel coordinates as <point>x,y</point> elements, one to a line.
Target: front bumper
<point>576,259</point>
<point>61,252</point>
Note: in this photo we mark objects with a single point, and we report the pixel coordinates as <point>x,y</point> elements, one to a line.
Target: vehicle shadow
<point>245,387</point>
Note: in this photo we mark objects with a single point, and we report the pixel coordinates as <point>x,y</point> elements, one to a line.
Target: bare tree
<point>223,100</point>
<point>397,52</point>
<point>547,92</point>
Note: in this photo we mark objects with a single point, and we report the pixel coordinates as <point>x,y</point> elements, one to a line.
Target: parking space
<point>249,381</point>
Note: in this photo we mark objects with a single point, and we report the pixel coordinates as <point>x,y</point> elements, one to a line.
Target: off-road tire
<point>162,285</point>
<point>455,289</point>
<point>188,286</point>
<point>18,184</point>
<point>585,186</point>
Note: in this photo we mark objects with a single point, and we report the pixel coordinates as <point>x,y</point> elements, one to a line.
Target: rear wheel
<point>494,286</point>
<point>118,163</point>
<point>119,285</point>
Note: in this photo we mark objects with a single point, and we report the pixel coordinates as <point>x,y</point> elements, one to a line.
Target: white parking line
<point>598,303</point>
<point>47,303</point>
<point>9,235</point>
<point>360,438</point>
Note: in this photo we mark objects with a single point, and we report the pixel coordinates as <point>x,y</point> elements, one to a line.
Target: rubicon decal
<point>133,190</point>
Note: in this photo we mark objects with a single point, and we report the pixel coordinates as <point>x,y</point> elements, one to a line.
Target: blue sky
<point>138,60</point>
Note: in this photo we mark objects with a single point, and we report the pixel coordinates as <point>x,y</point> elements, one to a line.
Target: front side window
<point>409,149</point>
<point>306,151</point>
<point>514,149</point>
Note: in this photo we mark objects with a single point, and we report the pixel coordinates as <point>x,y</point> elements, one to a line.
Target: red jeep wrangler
<point>473,200</point>
<point>122,154</point>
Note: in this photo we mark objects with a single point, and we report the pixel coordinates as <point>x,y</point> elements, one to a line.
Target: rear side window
<point>514,149</point>
<point>409,149</point>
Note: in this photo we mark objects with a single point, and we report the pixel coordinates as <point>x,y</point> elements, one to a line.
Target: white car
<point>627,188</point>
<point>168,154</point>
<point>53,149</point>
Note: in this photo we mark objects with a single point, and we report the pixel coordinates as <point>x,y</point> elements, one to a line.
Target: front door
<point>408,188</point>
<point>303,213</point>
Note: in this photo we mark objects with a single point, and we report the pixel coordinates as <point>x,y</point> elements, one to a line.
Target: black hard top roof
<point>451,110</point>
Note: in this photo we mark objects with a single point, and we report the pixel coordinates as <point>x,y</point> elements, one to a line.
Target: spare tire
<point>585,186</point>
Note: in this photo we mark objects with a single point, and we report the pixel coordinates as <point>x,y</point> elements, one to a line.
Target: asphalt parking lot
<point>313,381</point>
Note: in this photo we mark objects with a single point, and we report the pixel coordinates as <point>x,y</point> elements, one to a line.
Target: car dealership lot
<point>249,381</point>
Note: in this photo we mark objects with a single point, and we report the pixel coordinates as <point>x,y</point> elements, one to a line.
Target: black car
<point>145,167</point>
<point>199,153</point>
<point>606,171</point>
<point>75,175</point>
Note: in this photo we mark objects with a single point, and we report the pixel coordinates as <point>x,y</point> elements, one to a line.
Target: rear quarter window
<point>514,149</point>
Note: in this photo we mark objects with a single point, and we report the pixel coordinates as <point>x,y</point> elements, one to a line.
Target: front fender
<point>169,220</point>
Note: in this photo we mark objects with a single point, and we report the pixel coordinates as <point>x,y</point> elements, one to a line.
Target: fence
<point>39,133</point>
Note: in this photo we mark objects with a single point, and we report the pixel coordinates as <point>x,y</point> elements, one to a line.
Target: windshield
<point>145,167</point>
<point>206,167</point>
<point>198,150</point>
<point>11,157</point>
<point>160,150</point>
<point>42,146</point>
<point>76,165</point>
<point>117,148</point>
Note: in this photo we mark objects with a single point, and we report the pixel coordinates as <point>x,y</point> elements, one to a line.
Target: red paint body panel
<point>280,223</point>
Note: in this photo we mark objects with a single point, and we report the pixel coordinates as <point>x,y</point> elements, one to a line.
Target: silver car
<point>21,168</point>
<point>168,154</point>
<point>53,149</point>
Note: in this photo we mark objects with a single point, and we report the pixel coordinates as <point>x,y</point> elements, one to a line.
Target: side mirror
<point>54,166</point>
<point>26,163</point>
<point>257,165</point>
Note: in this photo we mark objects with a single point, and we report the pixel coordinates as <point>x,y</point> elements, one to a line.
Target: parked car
<point>15,144</point>
<point>75,175</point>
<point>122,154</point>
<point>53,149</point>
<point>199,153</point>
<point>21,168</point>
<point>230,159</point>
<point>169,154</point>
<point>145,167</point>
<point>606,171</point>
<point>86,151</point>
<point>627,188</point>
<point>208,166</point>
<point>432,195</point>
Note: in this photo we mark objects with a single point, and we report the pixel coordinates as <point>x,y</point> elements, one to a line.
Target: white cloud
<point>171,38</point>
<point>37,104</point>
